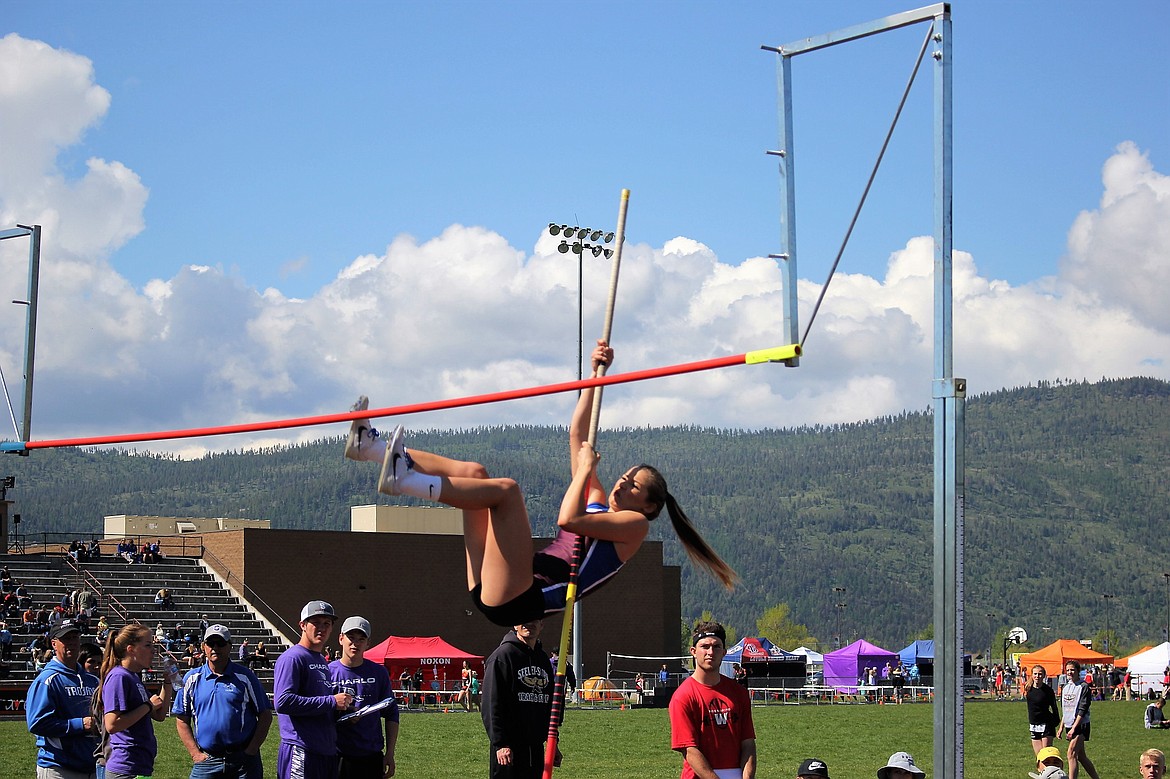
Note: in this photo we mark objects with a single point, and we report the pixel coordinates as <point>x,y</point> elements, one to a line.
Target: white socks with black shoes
<point>399,476</point>
<point>363,443</point>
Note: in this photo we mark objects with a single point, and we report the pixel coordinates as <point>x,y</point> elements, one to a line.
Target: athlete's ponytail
<point>695,545</point>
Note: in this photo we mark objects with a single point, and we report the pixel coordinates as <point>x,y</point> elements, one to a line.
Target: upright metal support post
<point>949,397</point>
<point>948,393</point>
<point>30,329</point>
<point>787,166</point>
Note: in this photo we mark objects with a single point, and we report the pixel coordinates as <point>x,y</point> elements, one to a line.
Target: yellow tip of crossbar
<point>775,354</point>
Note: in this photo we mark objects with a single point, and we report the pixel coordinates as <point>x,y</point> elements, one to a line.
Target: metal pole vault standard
<point>948,393</point>
<point>30,330</point>
<point>558,701</point>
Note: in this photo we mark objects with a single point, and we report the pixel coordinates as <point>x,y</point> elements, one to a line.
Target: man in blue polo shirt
<point>222,713</point>
<point>57,711</point>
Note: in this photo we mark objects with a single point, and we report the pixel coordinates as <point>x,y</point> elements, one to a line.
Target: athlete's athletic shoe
<point>395,464</point>
<point>361,444</point>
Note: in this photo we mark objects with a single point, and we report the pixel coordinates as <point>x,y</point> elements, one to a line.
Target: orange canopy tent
<point>1055,655</point>
<point>1124,662</point>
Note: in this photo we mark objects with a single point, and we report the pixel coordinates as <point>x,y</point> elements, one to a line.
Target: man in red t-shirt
<point>711,716</point>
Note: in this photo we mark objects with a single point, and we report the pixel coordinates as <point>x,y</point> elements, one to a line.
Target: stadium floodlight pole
<point>1108,598</point>
<point>584,241</point>
<point>1166,576</point>
<point>840,593</point>
<point>558,701</point>
<point>33,233</point>
<point>990,638</point>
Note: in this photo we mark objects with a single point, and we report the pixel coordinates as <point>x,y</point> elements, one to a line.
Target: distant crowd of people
<point>1106,682</point>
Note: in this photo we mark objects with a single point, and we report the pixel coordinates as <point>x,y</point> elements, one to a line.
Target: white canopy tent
<point>1149,667</point>
<point>812,658</point>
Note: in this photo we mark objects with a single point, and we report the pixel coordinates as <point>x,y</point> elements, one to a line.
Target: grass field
<point>853,739</point>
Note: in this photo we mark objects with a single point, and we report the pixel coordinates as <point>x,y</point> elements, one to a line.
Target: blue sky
<point>278,144</point>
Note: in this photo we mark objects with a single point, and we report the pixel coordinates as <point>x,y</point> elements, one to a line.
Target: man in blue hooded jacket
<point>57,710</point>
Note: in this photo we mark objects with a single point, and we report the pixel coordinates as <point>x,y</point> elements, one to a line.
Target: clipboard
<point>359,713</point>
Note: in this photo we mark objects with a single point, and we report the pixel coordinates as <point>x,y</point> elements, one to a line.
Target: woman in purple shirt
<point>508,583</point>
<point>128,707</point>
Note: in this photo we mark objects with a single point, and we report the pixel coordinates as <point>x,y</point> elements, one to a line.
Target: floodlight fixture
<point>563,248</point>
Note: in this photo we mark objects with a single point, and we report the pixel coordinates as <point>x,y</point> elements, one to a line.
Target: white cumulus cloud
<point>464,313</point>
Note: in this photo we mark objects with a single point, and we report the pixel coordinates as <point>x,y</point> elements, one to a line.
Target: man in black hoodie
<point>517,703</point>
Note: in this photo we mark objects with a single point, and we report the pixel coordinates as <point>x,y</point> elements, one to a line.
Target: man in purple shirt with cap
<point>305,701</point>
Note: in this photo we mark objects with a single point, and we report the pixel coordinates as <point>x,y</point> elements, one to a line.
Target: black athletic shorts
<point>1082,730</point>
<point>364,767</point>
<point>1036,732</point>
<point>525,607</point>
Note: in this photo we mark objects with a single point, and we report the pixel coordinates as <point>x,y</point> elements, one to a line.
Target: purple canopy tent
<point>843,667</point>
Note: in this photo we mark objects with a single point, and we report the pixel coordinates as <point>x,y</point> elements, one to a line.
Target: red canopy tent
<point>438,660</point>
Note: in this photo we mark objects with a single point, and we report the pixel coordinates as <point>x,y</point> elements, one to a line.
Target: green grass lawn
<point>853,739</point>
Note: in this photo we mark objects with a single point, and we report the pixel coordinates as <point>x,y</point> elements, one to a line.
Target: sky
<point>258,211</point>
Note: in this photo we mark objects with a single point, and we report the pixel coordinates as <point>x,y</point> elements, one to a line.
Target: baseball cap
<point>356,623</point>
<point>1047,753</point>
<point>903,760</point>
<point>813,767</point>
<point>64,628</point>
<point>316,608</point>
<point>218,630</point>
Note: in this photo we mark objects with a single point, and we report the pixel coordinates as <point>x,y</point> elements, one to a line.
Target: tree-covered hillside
<point>1067,492</point>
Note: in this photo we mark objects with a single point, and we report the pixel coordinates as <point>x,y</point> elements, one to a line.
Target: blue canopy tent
<point>921,653</point>
<point>917,652</point>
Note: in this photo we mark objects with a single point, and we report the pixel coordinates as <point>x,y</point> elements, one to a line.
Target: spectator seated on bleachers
<point>192,656</point>
<point>94,551</point>
<point>5,579</point>
<point>5,642</point>
<point>164,598</point>
<point>128,552</point>
<point>151,552</point>
<point>259,658</point>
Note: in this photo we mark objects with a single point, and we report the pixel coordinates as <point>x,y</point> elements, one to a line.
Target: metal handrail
<point>184,545</point>
<point>87,578</point>
<point>253,596</point>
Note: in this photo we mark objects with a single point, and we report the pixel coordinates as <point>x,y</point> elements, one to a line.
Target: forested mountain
<point>1068,490</point>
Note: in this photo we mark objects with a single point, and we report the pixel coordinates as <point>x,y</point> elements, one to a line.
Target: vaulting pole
<point>558,701</point>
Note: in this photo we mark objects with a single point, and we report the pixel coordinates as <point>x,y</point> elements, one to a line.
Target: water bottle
<point>172,670</point>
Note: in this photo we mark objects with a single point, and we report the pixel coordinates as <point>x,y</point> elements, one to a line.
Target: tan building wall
<point>440,520</point>
<point>415,585</point>
<point>130,525</point>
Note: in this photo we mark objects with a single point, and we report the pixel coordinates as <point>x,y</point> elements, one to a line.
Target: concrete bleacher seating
<point>130,589</point>
<point>195,592</point>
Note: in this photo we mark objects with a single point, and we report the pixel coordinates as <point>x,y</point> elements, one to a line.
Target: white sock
<point>419,485</point>
<point>373,451</point>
